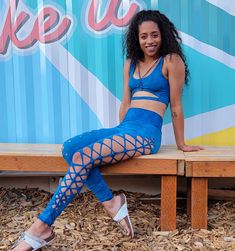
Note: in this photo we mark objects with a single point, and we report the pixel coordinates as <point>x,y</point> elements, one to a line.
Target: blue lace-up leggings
<point>139,133</point>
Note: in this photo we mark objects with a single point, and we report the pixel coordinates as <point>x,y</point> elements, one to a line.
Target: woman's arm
<point>176,75</point>
<point>126,100</point>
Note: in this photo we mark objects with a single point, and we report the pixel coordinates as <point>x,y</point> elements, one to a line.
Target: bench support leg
<point>189,193</point>
<point>199,202</point>
<point>168,203</point>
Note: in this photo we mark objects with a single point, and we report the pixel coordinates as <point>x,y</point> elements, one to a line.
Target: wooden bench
<point>168,163</point>
<point>213,162</point>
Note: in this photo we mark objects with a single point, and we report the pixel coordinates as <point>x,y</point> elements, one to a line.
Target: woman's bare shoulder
<point>173,58</point>
<point>127,65</point>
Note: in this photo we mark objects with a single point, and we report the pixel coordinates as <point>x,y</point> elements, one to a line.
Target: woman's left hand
<point>187,148</point>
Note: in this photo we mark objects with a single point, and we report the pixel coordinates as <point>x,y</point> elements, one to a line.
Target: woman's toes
<point>125,227</point>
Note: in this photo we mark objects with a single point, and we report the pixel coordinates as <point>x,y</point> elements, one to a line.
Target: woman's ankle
<point>112,205</point>
<point>39,228</point>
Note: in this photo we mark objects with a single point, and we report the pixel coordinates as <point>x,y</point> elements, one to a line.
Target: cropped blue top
<point>154,83</point>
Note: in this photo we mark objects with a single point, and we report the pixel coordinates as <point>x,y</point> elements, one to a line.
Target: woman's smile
<point>149,38</point>
<point>151,48</point>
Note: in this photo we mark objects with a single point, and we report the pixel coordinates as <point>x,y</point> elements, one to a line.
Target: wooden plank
<point>30,174</point>
<point>16,149</point>
<point>20,157</point>
<point>142,166</point>
<point>181,167</point>
<point>168,203</point>
<point>220,194</point>
<point>170,152</point>
<point>212,154</point>
<point>9,149</point>
<point>199,202</point>
<point>210,169</point>
<point>189,169</point>
<point>58,164</point>
<point>33,163</point>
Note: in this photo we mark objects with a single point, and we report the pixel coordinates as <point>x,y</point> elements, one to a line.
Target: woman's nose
<point>149,39</point>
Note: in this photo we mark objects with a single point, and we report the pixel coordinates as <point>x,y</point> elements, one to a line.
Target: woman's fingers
<point>187,148</point>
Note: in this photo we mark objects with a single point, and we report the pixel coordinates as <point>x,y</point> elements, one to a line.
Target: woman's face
<point>149,38</point>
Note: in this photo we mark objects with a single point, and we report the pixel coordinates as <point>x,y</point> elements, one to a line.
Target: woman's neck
<point>149,60</point>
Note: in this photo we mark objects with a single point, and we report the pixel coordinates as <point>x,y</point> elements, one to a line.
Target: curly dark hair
<point>171,41</point>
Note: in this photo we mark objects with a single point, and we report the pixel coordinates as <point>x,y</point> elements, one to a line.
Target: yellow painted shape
<point>224,137</point>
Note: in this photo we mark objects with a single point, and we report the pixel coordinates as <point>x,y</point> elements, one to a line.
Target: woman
<point>154,74</point>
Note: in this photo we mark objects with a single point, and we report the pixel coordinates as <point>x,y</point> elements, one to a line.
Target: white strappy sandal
<point>35,242</point>
<point>122,214</point>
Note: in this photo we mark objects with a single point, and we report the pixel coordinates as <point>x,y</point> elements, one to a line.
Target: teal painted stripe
<point>74,119</point>
<point>203,21</point>
<point>65,114</point>
<point>211,85</point>
<point>47,109</point>
<point>96,52</point>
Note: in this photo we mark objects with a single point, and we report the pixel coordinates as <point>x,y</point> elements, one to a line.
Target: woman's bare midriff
<point>151,105</point>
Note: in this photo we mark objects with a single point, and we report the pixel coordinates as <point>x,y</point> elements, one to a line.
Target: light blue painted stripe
<point>74,105</point>
<point>29,97</point>
<point>50,101</point>
<point>56,93</point>
<point>65,121</point>
<point>38,72</point>
<point>46,102</point>
<point>3,105</point>
<point>6,68</point>
<point>20,101</point>
<point>55,97</point>
<point>43,98</point>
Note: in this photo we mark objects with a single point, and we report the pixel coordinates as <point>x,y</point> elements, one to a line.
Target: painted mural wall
<point>61,67</point>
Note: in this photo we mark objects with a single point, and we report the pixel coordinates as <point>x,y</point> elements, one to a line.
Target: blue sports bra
<point>154,83</point>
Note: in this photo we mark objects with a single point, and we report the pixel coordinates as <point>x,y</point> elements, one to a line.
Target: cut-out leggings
<point>139,133</point>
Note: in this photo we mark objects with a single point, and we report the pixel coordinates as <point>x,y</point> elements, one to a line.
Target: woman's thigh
<point>111,149</point>
<point>78,142</point>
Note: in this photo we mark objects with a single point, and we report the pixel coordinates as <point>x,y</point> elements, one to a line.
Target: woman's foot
<point>37,229</point>
<point>113,206</point>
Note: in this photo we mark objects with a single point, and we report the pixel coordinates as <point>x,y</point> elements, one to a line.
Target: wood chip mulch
<point>84,225</point>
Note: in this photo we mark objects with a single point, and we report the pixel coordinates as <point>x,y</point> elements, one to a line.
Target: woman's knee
<point>72,145</point>
<point>67,150</point>
<point>77,158</point>
<point>83,157</point>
